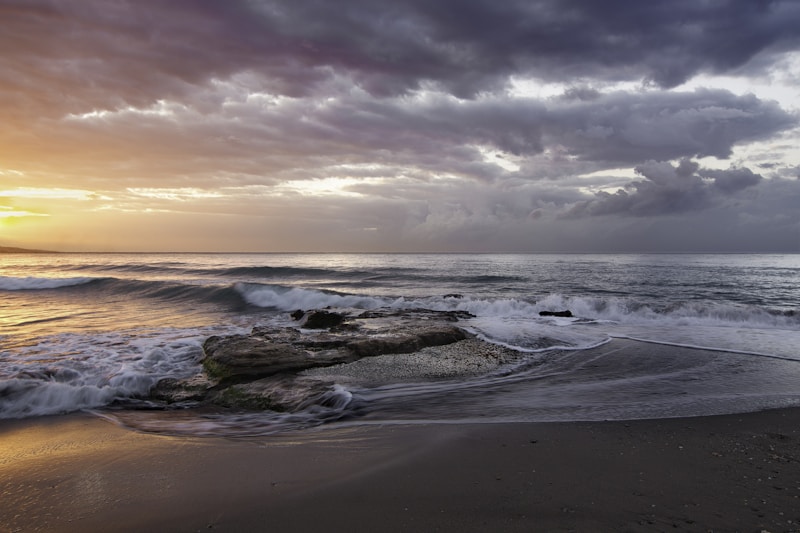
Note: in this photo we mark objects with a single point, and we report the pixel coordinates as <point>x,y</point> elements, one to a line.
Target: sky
<point>400,126</point>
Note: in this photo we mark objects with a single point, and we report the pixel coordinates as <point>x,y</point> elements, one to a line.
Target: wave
<point>8,283</point>
<point>173,269</point>
<point>285,297</point>
<point>170,268</point>
<point>172,291</point>
<point>283,272</point>
<point>290,298</point>
<point>93,371</point>
<point>708,348</point>
<point>316,410</point>
<point>584,308</point>
<point>627,310</point>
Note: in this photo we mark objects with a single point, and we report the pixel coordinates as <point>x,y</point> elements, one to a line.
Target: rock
<point>276,393</point>
<point>262,370</point>
<point>269,352</point>
<point>564,314</point>
<point>193,389</point>
<point>297,315</point>
<point>415,315</point>
<point>239,356</point>
<point>406,343</point>
<point>469,357</point>
<point>320,319</point>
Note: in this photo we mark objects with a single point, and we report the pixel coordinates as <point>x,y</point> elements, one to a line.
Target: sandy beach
<point>721,473</point>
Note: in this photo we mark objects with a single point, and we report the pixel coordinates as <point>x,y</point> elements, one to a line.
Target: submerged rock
<point>281,394</point>
<point>563,314</point>
<point>321,319</point>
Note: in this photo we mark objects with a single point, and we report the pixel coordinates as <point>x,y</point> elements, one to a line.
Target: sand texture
<point>722,473</point>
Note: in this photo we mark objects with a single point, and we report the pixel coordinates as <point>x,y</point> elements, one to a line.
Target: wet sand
<point>721,473</point>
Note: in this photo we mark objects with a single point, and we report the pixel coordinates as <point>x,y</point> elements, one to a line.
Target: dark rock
<point>415,314</point>
<point>455,316</point>
<point>244,357</point>
<point>260,370</point>
<point>193,389</point>
<point>297,315</point>
<point>276,393</point>
<point>238,356</point>
<point>565,314</point>
<point>454,295</point>
<point>321,319</point>
<point>316,344</point>
<point>274,332</point>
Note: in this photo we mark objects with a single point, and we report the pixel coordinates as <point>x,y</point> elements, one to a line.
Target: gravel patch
<point>462,358</point>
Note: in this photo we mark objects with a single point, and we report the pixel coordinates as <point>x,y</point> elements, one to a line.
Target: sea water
<point>714,333</point>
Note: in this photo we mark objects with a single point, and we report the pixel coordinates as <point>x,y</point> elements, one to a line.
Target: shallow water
<point>85,331</point>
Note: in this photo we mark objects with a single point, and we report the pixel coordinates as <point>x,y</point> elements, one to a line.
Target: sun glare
<point>179,194</point>
<point>47,194</point>
<point>6,213</point>
<point>333,186</point>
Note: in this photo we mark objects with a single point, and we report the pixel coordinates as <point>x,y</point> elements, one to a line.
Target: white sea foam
<point>620,310</point>
<point>64,357</point>
<point>8,283</point>
<point>613,309</point>
<point>327,407</point>
<point>25,397</point>
<point>699,347</point>
<point>291,298</point>
<point>516,323</point>
<point>70,372</point>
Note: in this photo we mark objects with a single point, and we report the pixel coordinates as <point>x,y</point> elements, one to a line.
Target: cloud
<point>669,189</point>
<point>359,124</point>
<point>730,181</point>
<point>99,55</point>
<point>625,127</point>
<point>257,138</point>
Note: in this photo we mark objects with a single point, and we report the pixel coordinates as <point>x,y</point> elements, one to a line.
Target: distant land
<point>12,250</point>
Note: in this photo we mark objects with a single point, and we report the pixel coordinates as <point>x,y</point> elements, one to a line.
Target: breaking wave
<point>91,372</point>
<point>8,283</point>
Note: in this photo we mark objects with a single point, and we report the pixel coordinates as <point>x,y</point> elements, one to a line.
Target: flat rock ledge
<point>284,368</point>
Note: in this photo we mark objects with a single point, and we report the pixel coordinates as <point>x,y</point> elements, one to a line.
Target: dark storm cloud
<point>668,189</point>
<point>473,45</point>
<point>71,57</point>
<point>628,128</point>
<point>134,53</point>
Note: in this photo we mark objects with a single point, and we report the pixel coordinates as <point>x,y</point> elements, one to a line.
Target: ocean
<point>651,336</point>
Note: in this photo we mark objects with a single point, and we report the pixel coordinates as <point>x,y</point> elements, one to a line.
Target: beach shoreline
<point>736,472</point>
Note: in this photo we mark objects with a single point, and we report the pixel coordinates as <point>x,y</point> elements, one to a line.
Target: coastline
<point>736,472</point>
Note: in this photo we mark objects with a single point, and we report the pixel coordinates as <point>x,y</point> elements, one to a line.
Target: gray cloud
<point>411,101</point>
<point>135,53</point>
<point>242,140</point>
<point>669,189</point>
<point>625,127</point>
